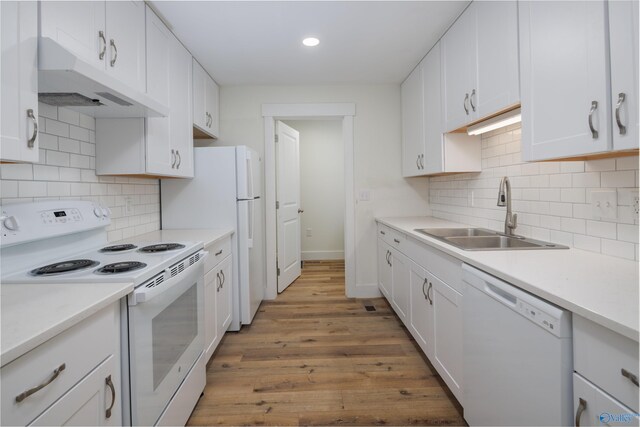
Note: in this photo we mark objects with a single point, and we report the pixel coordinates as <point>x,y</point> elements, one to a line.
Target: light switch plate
<point>128,205</point>
<point>364,195</point>
<point>604,204</point>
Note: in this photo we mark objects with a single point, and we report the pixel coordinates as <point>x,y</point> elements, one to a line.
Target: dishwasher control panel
<point>538,316</point>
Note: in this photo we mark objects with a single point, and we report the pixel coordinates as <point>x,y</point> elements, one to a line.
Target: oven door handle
<point>143,294</point>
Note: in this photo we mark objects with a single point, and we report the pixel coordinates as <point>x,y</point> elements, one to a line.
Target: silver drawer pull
<point>104,45</point>
<point>223,278</point>
<point>56,372</point>
<point>219,282</point>
<point>114,58</point>
<point>423,292</point>
<point>473,93</point>
<point>464,104</point>
<point>31,141</point>
<point>581,408</point>
<point>623,128</point>
<point>113,396</point>
<point>633,378</point>
<point>594,131</point>
<point>219,252</point>
<point>396,240</point>
<point>429,293</point>
<point>382,232</point>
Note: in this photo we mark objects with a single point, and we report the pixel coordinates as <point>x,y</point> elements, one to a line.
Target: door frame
<point>322,111</point>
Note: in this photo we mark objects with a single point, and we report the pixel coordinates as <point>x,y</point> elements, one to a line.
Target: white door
<point>19,72</point>
<point>288,204</point>
<point>433,159</point>
<point>412,129</point>
<point>224,300</point>
<point>564,84</point>
<point>158,44</point>
<point>421,312</point>
<point>623,32</point>
<point>180,115</point>
<point>126,50</point>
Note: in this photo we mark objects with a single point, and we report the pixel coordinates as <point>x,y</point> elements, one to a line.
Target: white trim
<point>322,255</point>
<point>369,290</point>
<point>346,111</point>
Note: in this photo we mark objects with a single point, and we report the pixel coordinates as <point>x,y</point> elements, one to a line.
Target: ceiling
<point>260,42</point>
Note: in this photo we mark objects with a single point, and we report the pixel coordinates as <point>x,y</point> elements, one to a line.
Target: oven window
<point>174,328</point>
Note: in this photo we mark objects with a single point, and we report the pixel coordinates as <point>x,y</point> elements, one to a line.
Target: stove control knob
<point>98,212</point>
<point>10,223</point>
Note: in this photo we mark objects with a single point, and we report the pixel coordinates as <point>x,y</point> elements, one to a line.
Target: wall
<point>377,150</point>
<point>67,171</point>
<point>321,188</point>
<point>552,199</point>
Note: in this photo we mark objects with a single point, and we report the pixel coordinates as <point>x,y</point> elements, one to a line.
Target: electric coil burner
<point>64,267</point>
<point>118,248</point>
<point>121,267</point>
<point>162,247</point>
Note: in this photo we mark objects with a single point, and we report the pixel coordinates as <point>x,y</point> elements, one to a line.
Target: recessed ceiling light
<point>311,41</point>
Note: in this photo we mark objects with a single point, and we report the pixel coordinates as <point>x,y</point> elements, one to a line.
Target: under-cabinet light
<point>497,122</point>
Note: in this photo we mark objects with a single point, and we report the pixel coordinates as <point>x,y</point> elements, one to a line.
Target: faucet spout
<point>504,199</point>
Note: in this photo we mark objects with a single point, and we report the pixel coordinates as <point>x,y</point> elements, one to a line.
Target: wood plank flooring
<point>315,357</point>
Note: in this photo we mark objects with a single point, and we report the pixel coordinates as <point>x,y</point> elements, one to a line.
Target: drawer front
<point>80,348</point>
<point>392,237</point>
<point>593,407</point>
<point>218,251</point>
<point>607,359</point>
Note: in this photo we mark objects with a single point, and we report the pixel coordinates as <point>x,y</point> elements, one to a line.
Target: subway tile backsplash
<point>552,199</point>
<point>67,171</point>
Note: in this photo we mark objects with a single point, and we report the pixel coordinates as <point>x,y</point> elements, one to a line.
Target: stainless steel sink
<point>481,239</point>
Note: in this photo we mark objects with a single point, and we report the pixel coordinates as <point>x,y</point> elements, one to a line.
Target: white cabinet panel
<point>211,283</point>
<point>180,113</point>
<point>400,284</point>
<point>384,269</point>
<point>412,123</point>
<point>19,86</point>
<point>205,102</point>
<point>158,57</point>
<point>421,308</point>
<point>125,59</point>
<point>623,32</point>
<point>224,302</point>
<point>497,68</point>
<point>564,79</point>
<point>213,96</point>
<point>433,159</point>
<point>593,407</point>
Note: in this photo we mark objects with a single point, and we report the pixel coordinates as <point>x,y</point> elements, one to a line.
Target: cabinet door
<point>412,127</point>
<point>421,312</point>
<point>459,70</point>
<point>180,113</point>
<point>497,68</point>
<point>564,82</point>
<point>623,31</point>
<point>76,26</point>
<point>447,324</point>
<point>200,118</point>
<point>384,269</point>
<point>158,51</point>
<point>19,87</point>
<point>90,401</point>
<point>593,407</point>
<point>125,23</point>
<point>213,99</point>
<point>224,295</point>
<point>433,160</point>
<point>400,284</point>
<point>211,283</point>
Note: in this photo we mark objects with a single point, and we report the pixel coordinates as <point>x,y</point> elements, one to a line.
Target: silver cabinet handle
<point>222,278</point>
<point>114,58</point>
<point>423,292</point>
<point>22,396</point>
<point>382,232</point>
<point>218,253</point>
<point>179,159</point>
<point>422,161</point>
<point>581,408</point>
<point>173,159</point>
<point>464,104</point>
<point>219,282</point>
<point>621,97</point>
<point>31,141</point>
<point>594,107</point>
<point>418,161</point>
<point>300,211</point>
<point>633,378</point>
<point>387,257</point>
<point>113,396</point>
<point>104,45</point>
<point>397,241</point>
<point>428,293</point>
<point>473,93</point>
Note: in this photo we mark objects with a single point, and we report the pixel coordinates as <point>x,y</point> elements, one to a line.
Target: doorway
<point>345,114</point>
<point>310,196</point>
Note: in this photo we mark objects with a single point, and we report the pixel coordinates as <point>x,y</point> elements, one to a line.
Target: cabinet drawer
<point>218,251</point>
<point>393,238</point>
<point>80,349</point>
<point>601,356</point>
<point>598,408</point>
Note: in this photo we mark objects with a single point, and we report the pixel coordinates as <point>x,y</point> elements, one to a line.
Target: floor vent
<point>369,308</point>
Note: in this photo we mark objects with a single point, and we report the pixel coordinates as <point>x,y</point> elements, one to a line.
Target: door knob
<point>300,211</point>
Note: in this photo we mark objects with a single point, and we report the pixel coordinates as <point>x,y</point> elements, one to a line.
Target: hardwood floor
<point>314,357</point>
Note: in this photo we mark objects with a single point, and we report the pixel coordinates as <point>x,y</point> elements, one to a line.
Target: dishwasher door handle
<point>500,294</point>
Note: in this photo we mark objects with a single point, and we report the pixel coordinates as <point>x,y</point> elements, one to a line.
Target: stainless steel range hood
<point>66,80</point>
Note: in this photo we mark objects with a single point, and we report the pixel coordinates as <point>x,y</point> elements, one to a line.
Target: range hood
<point>65,80</point>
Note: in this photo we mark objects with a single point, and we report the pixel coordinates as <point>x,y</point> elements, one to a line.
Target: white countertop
<point>206,236</point>
<point>601,288</point>
<point>34,313</point>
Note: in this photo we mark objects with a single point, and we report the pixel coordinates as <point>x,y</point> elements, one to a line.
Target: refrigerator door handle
<point>251,220</point>
<point>250,191</point>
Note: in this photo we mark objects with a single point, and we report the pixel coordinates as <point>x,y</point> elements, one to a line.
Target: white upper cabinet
<point>623,33</point>
<point>566,107</point>
<point>19,86</point>
<point>432,159</point>
<point>158,41</point>
<point>459,79</point>
<point>205,103</point>
<point>107,35</point>
<point>412,127</point>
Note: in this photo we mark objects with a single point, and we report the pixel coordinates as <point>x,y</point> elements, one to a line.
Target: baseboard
<point>322,255</point>
<point>364,290</point>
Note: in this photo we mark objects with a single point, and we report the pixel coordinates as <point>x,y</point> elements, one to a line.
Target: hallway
<point>314,357</point>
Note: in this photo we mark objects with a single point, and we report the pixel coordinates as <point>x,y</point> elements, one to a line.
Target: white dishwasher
<point>518,357</point>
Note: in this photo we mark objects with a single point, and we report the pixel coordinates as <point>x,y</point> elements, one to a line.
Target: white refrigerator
<point>225,192</point>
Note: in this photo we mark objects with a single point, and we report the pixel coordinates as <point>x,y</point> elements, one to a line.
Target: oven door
<point>166,337</point>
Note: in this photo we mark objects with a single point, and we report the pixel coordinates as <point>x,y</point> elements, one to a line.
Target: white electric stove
<point>163,330</point>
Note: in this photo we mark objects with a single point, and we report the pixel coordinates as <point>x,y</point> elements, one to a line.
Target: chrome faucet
<point>504,199</point>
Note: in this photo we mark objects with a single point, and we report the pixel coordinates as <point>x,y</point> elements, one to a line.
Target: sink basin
<point>481,239</point>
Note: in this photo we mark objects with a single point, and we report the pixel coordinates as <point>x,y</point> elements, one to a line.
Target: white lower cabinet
<point>71,379</point>
<point>400,284</point>
<point>421,308</point>
<point>384,269</point>
<point>224,296</point>
<point>594,407</point>
<point>217,295</point>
